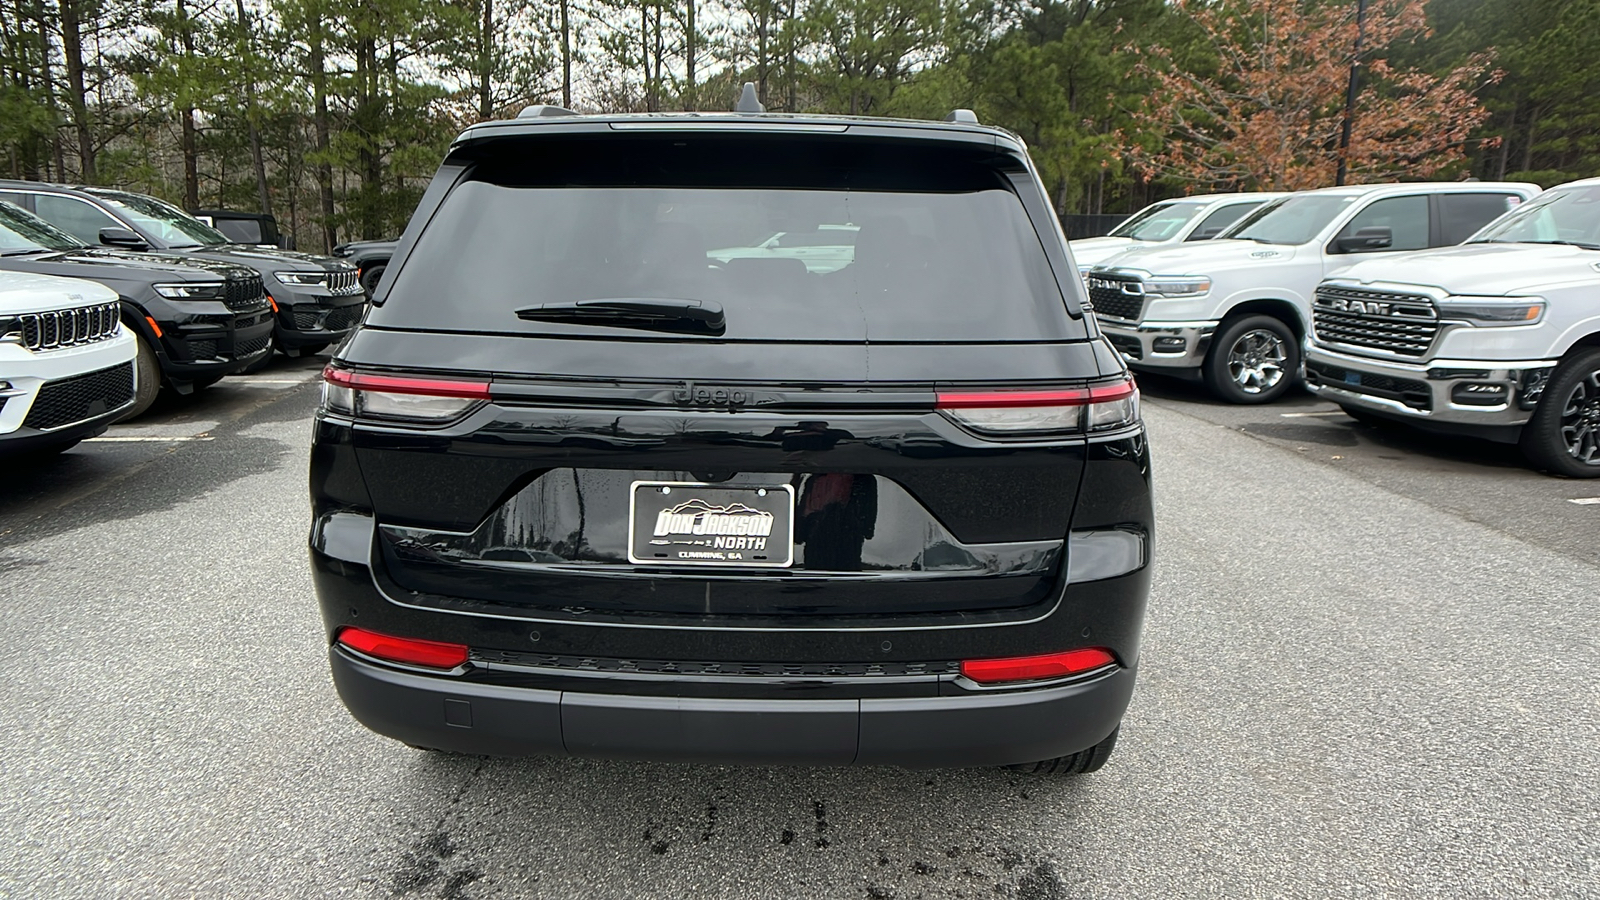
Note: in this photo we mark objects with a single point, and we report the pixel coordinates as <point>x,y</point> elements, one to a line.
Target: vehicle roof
<point>735,122</point>
<point>1209,198</point>
<point>1360,190</point>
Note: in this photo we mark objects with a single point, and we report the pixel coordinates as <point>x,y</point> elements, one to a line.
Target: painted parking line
<point>1585,501</point>
<point>239,381</point>
<point>150,438</point>
<point>1303,415</point>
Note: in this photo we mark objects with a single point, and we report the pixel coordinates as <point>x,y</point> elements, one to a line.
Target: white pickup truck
<point>1198,218</point>
<point>1234,310</point>
<point>66,362</point>
<point>1498,338</point>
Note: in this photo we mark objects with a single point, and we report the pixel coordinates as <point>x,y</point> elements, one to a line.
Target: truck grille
<point>244,293</point>
<point>69,327</point>
<point>81,397</point>
<point>1403,324</point>
<point>1110,295</point>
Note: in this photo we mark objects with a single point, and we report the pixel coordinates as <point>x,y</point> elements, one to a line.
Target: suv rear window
<point>857,243</point>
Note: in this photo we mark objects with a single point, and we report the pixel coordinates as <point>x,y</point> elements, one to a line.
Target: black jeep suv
<point>196,319</point>
<point>315,299</point>
<point>751,438</point>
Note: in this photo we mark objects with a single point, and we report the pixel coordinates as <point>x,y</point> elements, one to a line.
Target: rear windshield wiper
<point>648,313</point>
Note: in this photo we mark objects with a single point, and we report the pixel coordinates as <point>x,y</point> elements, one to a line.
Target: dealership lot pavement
<point>1370,670</point>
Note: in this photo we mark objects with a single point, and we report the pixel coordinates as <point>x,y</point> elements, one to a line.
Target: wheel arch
<point>1283,310</point>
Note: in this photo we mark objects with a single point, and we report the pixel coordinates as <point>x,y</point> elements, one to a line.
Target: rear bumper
<point>990,728</point>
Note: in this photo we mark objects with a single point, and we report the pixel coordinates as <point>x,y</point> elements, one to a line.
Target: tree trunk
<point>763,16</point>
<point>486,62</point>
<point>250,111</point>
<point>319,88</point>
<point>689,52</point>
<point>566,55</point>
<point>191,153</point>
<point>72,49</point>
<point>1527,147</point>
<point>789,67</point>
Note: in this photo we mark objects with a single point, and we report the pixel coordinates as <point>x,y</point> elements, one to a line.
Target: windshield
<point>1570,215</point>
<point>169,224</point>
<point>24,232</point>
<point>1291,220</point>
<point>1159,222</point>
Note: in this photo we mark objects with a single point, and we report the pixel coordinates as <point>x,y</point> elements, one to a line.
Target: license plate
<point>686,523</point>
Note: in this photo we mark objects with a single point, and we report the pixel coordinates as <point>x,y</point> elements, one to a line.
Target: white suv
<point>1498,338</point>
<point>1198,218</point>
<point>1234,310</point>
<point>66,362</point>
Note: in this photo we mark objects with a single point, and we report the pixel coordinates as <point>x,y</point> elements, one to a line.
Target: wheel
<point>1563,437</point>
<point>371,277</point>
<point>1254,359</point>
<point>147,380</point>
<point>1081,763</point>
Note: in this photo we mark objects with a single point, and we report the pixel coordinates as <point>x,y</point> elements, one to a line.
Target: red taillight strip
<point>1017,399</point>
<point>391,384</point>
<point>1035,668</point>
<point>410,651</point>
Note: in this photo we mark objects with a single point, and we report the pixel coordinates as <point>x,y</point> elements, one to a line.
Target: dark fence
<point>1084,226</point>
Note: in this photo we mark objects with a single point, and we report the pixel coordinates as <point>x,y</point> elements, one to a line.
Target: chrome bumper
<point>1500,393</point>
<point>1163,345</point>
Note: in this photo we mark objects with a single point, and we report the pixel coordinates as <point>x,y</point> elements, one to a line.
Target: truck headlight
<point>195,290</point>
<point>1177,285</point>
<point>1493,310</point>
<point>303,279</point>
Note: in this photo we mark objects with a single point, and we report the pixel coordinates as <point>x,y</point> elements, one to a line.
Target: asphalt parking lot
<point>1370,671</point>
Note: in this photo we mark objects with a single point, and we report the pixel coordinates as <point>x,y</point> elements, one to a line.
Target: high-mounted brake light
<point>402,398</point>
<point>1094,408</point>
<point>1036,668</point>
<point>409,651</point>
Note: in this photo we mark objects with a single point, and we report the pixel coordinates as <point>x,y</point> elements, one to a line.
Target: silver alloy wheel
<point>1580,420</point>
<point>1256,361</point>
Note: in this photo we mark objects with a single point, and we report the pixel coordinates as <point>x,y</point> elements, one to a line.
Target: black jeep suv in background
<point>196,319</point>
<point>610,472</point>
<point>315,299</point>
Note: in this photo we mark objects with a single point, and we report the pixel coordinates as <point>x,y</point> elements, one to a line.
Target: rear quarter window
<point>1461,215</point>
<point>832,244</point>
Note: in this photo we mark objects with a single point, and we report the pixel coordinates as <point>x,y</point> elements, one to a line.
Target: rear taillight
<point>1038,668</point>
<point>409,651</point>
<point>398,398</point>
<point>1096,408</point>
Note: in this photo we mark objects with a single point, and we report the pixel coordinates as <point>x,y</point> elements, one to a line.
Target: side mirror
<point>1366,240</point>
<point>122,237</point>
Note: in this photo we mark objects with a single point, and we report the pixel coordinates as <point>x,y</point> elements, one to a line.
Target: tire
<point>1563,437</point>
<point>1081,763</point>
<point>1254,359</point>
<point>371,277</point>
<point>147,373</point>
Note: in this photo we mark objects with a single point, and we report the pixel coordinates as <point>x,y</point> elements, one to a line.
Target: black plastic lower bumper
<point>988,728</point>
<point>317,324</point>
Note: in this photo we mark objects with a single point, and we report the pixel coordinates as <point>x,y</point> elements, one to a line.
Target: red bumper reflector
<point>390,384</point>
<point>1034,668</point>
<point>410,651</point>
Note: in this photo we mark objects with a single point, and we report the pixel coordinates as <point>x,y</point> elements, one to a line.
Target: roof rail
<point>966,116</point>
<point>748,102</point>
<point>542,111</point>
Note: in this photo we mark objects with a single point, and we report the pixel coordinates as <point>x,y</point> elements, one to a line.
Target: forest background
<point>332,114</point>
